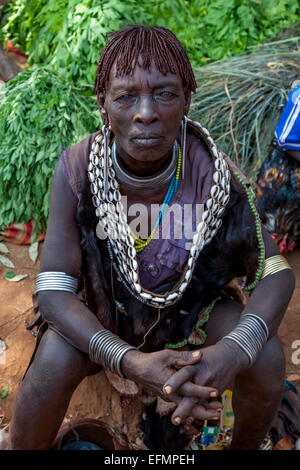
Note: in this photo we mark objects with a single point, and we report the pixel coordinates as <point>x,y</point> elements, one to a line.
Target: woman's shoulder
<point>75,160</point>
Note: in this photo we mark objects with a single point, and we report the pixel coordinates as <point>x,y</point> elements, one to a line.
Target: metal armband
<point>55,280</point>
<point>273,265</point>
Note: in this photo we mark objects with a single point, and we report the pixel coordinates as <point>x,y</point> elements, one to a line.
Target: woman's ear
<point>101,106</point>
<point>188,97</point>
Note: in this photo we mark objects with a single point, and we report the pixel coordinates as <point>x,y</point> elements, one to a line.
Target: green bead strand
<point>250,196</point>
<point>197,327</point>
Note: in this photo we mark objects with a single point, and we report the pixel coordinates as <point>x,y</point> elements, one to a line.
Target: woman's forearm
<point>70,317</point>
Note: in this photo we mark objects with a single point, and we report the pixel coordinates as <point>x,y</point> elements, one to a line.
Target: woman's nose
<point>146,111</point>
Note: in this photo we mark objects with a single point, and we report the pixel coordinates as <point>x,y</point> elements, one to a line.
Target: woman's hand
<point>219,365</point>
<point>152,370</point>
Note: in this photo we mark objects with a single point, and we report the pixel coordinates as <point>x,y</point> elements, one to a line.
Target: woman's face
<point>145,112</point>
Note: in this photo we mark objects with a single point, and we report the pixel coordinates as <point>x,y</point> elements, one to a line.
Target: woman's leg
<point>257,391</point>
<point>45,392</point>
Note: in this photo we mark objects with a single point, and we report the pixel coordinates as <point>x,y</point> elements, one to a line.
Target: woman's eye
<point>166,94</point>
<point>124,97</point>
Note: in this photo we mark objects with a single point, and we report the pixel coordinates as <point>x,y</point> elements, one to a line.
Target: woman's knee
<point>57,365</point>
<point>268,371</point>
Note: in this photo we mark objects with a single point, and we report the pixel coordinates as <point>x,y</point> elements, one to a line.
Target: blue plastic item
<point>287,132</point>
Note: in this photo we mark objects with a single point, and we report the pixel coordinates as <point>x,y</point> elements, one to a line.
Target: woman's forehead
<point>140,76</point>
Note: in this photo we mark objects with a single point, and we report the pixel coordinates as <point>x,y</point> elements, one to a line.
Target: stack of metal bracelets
<point>250,334</point>
<point>105,348</point>
<point>54,280</point>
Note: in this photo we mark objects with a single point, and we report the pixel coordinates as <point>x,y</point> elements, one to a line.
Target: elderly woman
<point>154,309</point>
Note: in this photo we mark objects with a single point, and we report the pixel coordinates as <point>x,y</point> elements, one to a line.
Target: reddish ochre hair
<point>155,43</point>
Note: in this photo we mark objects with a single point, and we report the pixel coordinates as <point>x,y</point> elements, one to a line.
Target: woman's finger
<point>213,405</point>
<point>180,382</point>
<point>185,358</point>
<point>202,413</point>
<point>179,378</point>
<point>190,389</point>
<point>187,407</point>
<point>183,410</point>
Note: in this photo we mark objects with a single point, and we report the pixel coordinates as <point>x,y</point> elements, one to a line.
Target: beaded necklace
<point>113,226</point>
<point>261,245</point>
<point>139,243</point>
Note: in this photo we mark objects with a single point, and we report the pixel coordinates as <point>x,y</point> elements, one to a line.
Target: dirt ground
<point>16,307</point>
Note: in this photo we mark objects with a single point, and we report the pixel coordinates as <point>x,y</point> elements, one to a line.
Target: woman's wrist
<point>236,355</point>
<point>131,364</point>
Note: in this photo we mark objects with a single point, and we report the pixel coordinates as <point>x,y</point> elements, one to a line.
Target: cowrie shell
<point>206,217</point>
<point>159,300</point>
<point>146,296</point>
<point>137,287</point>
<point>201,227</point>
<point>91,176</point>
<point>183,286</point>
<point>209,203</point>
<point>216,177</point>
<point>221,196</point>
<point>214,191</point>
<point>172,296</point>
<point>218,164</point>
<point>214,152</point>
<point>218,224</point>
<point>225,199</point>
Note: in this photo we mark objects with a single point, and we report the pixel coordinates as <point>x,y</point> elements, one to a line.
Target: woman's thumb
<point>186,358</point>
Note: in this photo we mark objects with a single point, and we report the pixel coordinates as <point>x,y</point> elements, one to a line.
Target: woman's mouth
<point>147,141</point>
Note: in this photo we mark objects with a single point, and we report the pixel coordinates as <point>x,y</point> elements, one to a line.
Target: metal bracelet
<point>108,349</point>
<point>56,280</point>
<point>273,265</point>
<point>251,334</point>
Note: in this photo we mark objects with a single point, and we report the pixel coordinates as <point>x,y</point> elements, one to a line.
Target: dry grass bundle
<point>240,99</point>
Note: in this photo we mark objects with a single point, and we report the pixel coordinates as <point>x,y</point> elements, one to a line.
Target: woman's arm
<point>61,252</point>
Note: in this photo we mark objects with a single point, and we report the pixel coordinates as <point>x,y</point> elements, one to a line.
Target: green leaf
<point>34,251</point>
<point>3,248</point>
<point>4,392</point>
<point>7,262</point>
<point>17,278</point>
<point>9,275</point>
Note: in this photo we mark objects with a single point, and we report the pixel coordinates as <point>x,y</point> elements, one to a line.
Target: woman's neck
<point>142,168</point>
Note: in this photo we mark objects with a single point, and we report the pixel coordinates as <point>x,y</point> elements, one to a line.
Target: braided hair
<point>151,43</point>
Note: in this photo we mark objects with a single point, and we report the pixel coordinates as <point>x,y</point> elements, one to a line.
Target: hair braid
<point>155,43</point>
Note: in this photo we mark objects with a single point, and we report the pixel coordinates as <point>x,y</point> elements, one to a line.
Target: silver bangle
<point>251,334</point>
<point>55,280</point>
<point>108,349</point>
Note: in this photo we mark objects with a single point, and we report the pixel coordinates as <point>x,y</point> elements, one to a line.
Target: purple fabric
<point>162,261</point>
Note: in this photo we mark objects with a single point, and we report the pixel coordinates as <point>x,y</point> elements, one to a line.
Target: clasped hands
<point>193,380</point>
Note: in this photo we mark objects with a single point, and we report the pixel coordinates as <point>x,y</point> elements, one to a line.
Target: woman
<point>146,297</point>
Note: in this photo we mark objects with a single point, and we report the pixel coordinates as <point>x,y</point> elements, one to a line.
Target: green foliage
<point>41,114</point>
<point>70,34</point>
